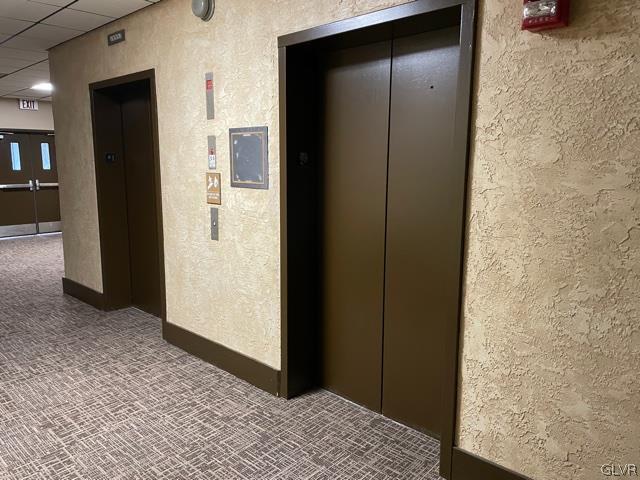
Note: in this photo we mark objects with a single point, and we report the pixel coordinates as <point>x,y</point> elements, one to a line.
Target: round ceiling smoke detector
<point>203,9</point>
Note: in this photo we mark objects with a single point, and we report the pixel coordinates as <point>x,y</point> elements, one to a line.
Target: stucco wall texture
<point>226,291</point>
<point>551,342</point>
<point>551,346</point>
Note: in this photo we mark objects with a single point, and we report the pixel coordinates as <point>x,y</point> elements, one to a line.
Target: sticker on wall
<point>249,157</point>
<point>214,187</point>
<point>211,149</point>
<point>209,89</point>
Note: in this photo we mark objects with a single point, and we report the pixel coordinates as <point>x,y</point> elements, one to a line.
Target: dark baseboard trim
<point>245,368</point>
<point>84,294</point>
<point>467,466</point>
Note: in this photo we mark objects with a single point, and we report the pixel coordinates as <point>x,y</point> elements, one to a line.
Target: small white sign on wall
<point>28,104</point>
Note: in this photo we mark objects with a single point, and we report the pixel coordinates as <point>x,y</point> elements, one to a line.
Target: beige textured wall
<point>551,341</point>
<point>227,291</point>
<point>551,358</point>
<point>12,117</point>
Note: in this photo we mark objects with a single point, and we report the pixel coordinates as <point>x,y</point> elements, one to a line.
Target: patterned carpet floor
<point>91,395</point>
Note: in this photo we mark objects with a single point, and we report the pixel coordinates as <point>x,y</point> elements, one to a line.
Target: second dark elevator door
<point>128,212</point>
<point>137,136</point>
<point>390,237</point>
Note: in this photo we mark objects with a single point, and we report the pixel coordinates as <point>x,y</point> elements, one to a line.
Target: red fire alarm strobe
<point>543,14</point>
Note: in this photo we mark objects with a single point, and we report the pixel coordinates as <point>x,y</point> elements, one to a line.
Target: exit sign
<point>27,104</point>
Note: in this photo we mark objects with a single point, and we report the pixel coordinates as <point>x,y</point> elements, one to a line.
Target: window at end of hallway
<point>15,157</point>
<point>46,159</point>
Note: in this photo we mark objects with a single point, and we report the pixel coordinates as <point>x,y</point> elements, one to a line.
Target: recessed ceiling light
<point>43,87</point>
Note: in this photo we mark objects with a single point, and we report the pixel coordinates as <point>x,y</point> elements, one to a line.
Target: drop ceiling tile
<point>41,37</point>
<point>41,67</point>
<point>8,84</point>
<point>25,43</point>
<point>24,94</point>
<point>11,26</point>
<point>8,65</point>
<point>29,77</point>
<point>77,20</point>
<point>112,8</point>
<point>57,3</point>
<point>18,54</point>
<point>51,32</point>
<point>25,10</point>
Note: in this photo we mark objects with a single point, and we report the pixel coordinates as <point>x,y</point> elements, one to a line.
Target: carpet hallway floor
<point>86,394</point>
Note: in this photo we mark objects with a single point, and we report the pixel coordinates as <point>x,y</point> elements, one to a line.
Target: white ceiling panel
<point>26,10</point>
<point>11,26</point>
<point>41,37</point>
<point>42,67</point>
<point>27,78</point>
<point>6,52</point>
<point>77,20</point>
<point>23,94</point>
<point>111,8</point>
<point>8,65</point>
<point>12,86</point>
<point>26,43</point>
<point>57,3</point>
<point>51,33</point>
<point>28,28</point>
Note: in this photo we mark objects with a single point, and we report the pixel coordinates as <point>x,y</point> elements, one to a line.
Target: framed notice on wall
<point>249,149</point>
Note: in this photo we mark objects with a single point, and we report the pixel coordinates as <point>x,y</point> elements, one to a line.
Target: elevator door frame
<point>111,276</point>
<point>297,338</point>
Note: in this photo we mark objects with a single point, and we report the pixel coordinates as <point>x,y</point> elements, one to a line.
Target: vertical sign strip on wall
<point>209,86</point>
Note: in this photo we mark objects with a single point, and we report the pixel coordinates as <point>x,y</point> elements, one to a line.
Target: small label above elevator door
<point>116,37</point>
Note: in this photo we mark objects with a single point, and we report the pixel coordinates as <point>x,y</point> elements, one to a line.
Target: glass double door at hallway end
<point>29,200</point>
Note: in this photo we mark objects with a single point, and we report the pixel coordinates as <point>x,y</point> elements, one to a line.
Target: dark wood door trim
<point>380,17</point>
<point>461,151</point>
<point>467,466</point>
<point>82,293</point>
<point>20,130</point>
<point>461,146</point>
<point>256,373</point>
<point>112,82</point>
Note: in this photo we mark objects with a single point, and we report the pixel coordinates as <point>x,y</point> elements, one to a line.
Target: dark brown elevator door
<point>137,140</point>
<point>356,95</point>
<point>424,215</point>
